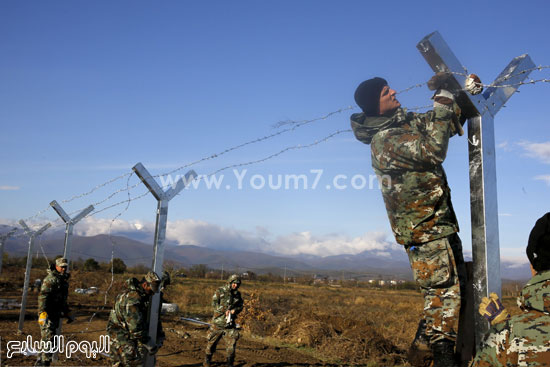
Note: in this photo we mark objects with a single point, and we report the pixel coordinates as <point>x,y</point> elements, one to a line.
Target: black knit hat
<point>538,248</point>
<point>367,95</point>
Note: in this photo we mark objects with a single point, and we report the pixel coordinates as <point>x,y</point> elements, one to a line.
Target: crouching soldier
<point>523,339</point>
<point>52,305</point>
<point>227,304</point>
<point>127,326</point>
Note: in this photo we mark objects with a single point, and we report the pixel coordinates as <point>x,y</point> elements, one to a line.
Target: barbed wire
<point>508,77</point>
<point>295,124</point>
<point>130,199</point>
<point>412,87</point>
<point>303,122</point>
<point>42,248</point>
<point>113,242</point>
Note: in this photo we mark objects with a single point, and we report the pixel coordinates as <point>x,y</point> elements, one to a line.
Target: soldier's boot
<point>444,354</point>
<point>207,360</point>
<point>230,360</point>
<point>419,353</point>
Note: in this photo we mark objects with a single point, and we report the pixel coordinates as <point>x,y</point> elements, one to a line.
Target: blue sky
<point>90,88</point>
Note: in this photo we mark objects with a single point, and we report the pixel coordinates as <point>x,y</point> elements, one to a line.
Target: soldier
<point>37,284</point>
<point>524,339</point>
<point>227,304</point>
<point>52,305</point>
<point>407,152</point>
<point>161,336</point>
<point>127,326</point>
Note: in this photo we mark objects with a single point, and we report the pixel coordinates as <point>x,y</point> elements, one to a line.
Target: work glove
<point>70,317</point>
<point>442,80</point>
<point>492,309</point>
<point>445,99</point>
<point>473,84</point>
<point>43,318</point>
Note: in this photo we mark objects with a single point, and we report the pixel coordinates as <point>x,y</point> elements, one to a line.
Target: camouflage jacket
<point>524,339</point>
<point>225,299</point>
<point>129,314</point>
<point>407,152</point>
<point>53,294</point>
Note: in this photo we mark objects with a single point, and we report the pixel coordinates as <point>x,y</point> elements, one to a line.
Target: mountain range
<point>364,265</point>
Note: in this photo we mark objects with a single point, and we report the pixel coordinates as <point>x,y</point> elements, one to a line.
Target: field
<point>282,324</point>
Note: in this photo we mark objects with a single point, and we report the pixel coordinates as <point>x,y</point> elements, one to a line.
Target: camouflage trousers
<point>215,334</point>
<point>438,268</point>
<point>125,352</point>
<point>47,333</point>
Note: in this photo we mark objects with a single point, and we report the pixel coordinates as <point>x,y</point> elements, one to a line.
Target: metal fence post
<point>480,110</point>
<point>69,224</point>
<point>32,235</point>
<point>163,197</point>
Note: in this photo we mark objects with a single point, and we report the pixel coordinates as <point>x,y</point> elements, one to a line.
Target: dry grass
<point>343,325</point>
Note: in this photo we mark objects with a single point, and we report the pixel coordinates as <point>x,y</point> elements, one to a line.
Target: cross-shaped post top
<point>157,191</point>
<point>7,235</point>
<point>32,233</point>
<point>440,57</point>
<point>59,210</point>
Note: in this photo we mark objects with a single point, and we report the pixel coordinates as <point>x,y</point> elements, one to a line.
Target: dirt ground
<point>184,344</point>
<point>283,324</point>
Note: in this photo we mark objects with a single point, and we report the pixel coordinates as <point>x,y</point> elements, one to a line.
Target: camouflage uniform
<point>524,339</point>
<point>407,152</point>
<point>52,299</point>
<point>224,299</point>
<point>127,325</point>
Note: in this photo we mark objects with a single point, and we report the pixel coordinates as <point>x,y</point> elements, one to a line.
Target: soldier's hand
<point>473,84</point>
<point>43,318</point>
<point>493,310</point>
<point>441,80</point>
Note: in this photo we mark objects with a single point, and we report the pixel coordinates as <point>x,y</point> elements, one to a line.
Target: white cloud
<point>541,151</point>
<point>9,188</point>
<point>200,233</point>
<point>515,261</point>
<point>91,226</point>
<point>545,178</point>
<point>504,146</point>
<point>335,244</point>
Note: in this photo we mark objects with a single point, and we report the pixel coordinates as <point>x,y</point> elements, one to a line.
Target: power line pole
<point>481,110</point>
<point>163,197</point>
<point>32,235</point>
<point>3,240</point>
